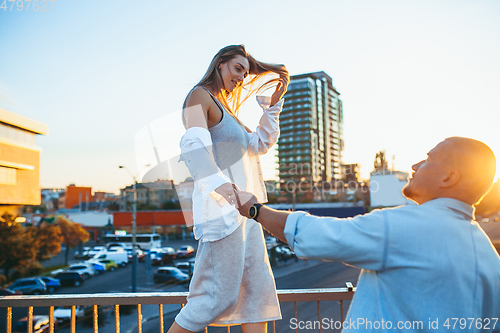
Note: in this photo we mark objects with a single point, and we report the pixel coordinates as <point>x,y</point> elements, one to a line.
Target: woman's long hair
<point>212,79</point>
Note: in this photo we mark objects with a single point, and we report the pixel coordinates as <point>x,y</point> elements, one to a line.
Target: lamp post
<point>134,242</point>
<point>294,193</point>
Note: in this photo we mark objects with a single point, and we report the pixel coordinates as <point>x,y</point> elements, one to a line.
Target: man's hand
<point>244,200</point>
<point>272,220</point>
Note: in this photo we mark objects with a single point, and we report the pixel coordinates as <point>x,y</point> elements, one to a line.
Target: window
<point>8,176</point>
<point>17,134</point>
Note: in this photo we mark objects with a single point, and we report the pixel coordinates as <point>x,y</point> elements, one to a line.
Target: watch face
<point>252,211</point>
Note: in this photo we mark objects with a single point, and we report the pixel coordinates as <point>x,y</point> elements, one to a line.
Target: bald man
<point>423,267</point>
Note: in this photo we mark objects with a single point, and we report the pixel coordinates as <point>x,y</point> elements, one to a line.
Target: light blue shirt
<point>421,264</point>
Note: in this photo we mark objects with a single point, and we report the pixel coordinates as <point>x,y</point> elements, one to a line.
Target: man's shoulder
<point>405,211</point>
<point>396,209</point>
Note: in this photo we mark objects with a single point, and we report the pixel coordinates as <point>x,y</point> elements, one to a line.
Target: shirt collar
<point>454,204</point>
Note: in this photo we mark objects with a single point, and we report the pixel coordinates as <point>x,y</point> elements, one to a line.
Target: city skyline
<point>409,74</point>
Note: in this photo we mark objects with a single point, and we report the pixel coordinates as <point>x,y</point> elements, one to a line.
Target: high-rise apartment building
<point>311,140</point>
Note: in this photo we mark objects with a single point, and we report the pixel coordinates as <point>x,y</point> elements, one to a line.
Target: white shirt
<point>429,263</point>
<point>213,217</point>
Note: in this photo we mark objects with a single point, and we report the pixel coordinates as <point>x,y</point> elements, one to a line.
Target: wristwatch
<point>254,211</point>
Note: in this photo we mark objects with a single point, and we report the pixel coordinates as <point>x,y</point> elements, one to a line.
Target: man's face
<point>428,174</point>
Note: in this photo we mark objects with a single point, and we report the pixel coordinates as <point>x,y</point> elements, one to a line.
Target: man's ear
<point>451,179</point>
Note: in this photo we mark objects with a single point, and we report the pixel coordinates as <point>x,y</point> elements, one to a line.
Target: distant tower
<point>311,124</point>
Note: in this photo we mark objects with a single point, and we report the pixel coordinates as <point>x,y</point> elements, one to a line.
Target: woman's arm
<point>196,109</point>
<point>196,146</point>
<point>267,132</point>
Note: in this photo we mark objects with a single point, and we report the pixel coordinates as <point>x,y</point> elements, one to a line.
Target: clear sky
<point>410,73</point>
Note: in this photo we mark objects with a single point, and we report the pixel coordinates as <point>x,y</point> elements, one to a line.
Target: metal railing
<point>138,299</point>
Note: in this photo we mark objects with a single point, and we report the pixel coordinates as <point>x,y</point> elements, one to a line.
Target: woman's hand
<point>280,88</point>
<point>228,192</point>
<point>245,200</point>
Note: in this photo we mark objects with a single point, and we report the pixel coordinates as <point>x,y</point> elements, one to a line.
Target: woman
<point>232,282</point>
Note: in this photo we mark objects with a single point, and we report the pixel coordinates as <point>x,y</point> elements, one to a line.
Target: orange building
<point>163,221</point>
<point>19,162</point>
<point>74,195</point>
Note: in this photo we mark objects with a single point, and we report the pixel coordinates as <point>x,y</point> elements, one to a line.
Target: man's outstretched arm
<point>272,220</point>
<point>360,241</point>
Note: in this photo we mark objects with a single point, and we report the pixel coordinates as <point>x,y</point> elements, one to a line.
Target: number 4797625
<point>20,5</point>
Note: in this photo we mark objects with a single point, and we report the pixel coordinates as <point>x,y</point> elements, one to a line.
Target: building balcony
<point>297,93</point>
<point>306,106</point>
<point>296,120</point>
<point>294,153</point>
<point>295,134</point>
<point>295,127</point>
<point>288,140</point>
<point>297,99</point>
<point>166,301</point>
<point>299,86</point>
<point>284,116</point>
<point>282,147</point>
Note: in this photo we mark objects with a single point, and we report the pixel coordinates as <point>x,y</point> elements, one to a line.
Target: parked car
<point>170,275</point>
<point>40,325</point>
<point>109,264</point>
<point>84,253</point>
<point>271,242</point>
<point>155,252</point>
<point>284,253</point>
<point>8,292</point>
<point>95,250</point>
<point>186,267</point>
<point>111,245</point>
<point>167,256</point>
<point>51,283</point>
<point>186,251</point>
<point>85,269</point>
<point>141,255</point>
<point>70,278</point>
<point>121,258</point>
<point>99,268</point>
<point>116,248</point>
<point>63,313</point>
<point>33,286</point>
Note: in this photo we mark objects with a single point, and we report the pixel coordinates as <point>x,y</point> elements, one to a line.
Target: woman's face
<point>233,72</point>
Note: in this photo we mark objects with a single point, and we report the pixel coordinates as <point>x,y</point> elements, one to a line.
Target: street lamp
<point>134,253</point>
<point>294,193</point>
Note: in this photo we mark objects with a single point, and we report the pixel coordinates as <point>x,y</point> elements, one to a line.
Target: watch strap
<point>256,208</point>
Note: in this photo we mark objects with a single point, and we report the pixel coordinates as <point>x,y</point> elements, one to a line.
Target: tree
<point>47,239</point>
<point>146,206</point>
<point>72,234</point>
<point>380,163</point>
<point>17,246</point>
<point>169,205</point>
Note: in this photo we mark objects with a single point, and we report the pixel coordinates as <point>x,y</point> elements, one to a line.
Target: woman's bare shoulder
<point>194,116</point>
<point>198,96</point>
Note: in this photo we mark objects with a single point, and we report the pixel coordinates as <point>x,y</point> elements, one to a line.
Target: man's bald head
<point>459,168</point>
<point>476,164</point>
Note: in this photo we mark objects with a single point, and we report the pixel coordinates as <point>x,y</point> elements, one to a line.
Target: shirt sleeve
<point>268,130</point>
<point>196,152</point>
<point>361,241</point>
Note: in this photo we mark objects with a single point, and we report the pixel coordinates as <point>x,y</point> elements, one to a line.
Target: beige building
<point>19,162</point>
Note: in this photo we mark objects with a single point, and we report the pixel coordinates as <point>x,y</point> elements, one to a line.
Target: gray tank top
<point>230,140</point>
